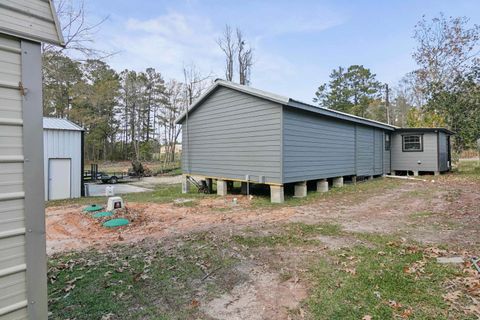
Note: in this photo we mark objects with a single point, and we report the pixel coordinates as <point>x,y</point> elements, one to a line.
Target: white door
<point>58,179</point>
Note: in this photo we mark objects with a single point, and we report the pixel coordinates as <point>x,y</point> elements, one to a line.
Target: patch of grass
<point>358,190</point>
<point>79,201</point>
<point>377,239</point>
<point>189,204</point>
<point>453,195</point>
<point>363,281</point>
<point>291,234</point>
<point>422,214</point>
<point>138,282</point>
<point>285,275</point>
<point>221,209</point>
<point>168,193</point>
<point>325,229</point>
<point>468,168</point>
<point>425,193</point>
<point>162,194</point>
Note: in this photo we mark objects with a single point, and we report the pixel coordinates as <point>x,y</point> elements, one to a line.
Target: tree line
<point>127,115</point>
<point>444,90</point>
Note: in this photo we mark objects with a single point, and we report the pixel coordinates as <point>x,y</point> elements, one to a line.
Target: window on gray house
<point>387,142</point>
<point>412,143</point>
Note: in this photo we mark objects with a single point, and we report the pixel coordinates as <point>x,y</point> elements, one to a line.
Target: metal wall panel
<point>233,134</point>
<point>35,243</point>
<point>13,279</point>
<point>64,144</point>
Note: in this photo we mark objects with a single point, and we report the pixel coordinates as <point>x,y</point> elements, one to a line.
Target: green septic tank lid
<point>103,214</point>
<point>93,208</point>
<point>116,223</point>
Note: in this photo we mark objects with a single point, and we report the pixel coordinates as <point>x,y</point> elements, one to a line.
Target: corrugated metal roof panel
<point>60,124</point>
<point>282,100</point>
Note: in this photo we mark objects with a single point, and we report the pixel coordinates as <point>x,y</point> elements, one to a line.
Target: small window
<point>413,142</point>
<point>387,142</point>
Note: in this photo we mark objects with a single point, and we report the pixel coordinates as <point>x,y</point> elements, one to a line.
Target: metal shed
<point>23,284</point>
<point>418,150</point>
<point>63,159</point>
<point>238,133</point>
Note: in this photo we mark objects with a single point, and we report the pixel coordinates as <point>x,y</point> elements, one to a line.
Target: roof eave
<point>340,115</point>
<point>195,104</point>
<point>445,130</point>
<point>274,98</point>
<point>61,40</point>
<point>287,102</point>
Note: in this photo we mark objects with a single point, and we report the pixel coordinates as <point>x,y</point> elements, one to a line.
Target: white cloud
<point>169,41</point>
<point>166,43</point>
<point>285,18</point>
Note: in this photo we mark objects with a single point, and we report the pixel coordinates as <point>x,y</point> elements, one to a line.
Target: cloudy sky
<point>296,43</point>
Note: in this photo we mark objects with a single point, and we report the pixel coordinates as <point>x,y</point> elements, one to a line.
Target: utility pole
<point>387,103</point>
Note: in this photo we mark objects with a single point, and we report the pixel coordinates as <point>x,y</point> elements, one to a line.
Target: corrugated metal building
<point>63,159</point>
<point>238,133</point>
<point>23,284</point>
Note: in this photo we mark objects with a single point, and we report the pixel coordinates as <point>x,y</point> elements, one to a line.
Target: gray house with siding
<point>418,150</point>
<point>239,133</point>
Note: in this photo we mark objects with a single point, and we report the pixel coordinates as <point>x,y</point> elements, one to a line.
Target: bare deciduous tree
<point>229,48</point>
<point>245,59</point>
<point>77,30</point>
<point>447,47</point>
<point>194,83</point>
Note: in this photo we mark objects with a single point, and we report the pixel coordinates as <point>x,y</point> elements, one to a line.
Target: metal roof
<point>35,20</point>
<point>286,102</point>
<point>425,130</point>
<point>60,124</point>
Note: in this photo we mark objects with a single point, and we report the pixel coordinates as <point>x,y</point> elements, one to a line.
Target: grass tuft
<point>379,282</point>
<point>291,234</point>
<point>137,282</point>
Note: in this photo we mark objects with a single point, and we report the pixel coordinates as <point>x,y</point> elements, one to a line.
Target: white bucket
<point>109,191</point>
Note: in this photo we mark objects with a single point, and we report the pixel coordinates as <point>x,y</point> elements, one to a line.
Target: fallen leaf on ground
<point>394,304</point>
<point>352,271</point>
<point>452,296</point>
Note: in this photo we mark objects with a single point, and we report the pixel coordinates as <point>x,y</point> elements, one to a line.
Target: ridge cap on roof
<point>345,113</point>
<point>275,98</point>
<point>288,100</point>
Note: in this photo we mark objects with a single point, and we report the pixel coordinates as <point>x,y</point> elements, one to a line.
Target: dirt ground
<point>437,211</point>
<point>447,203</point>
<point>69,228</point>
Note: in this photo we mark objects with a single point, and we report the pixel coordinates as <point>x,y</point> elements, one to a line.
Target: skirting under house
<point>238,133</point>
